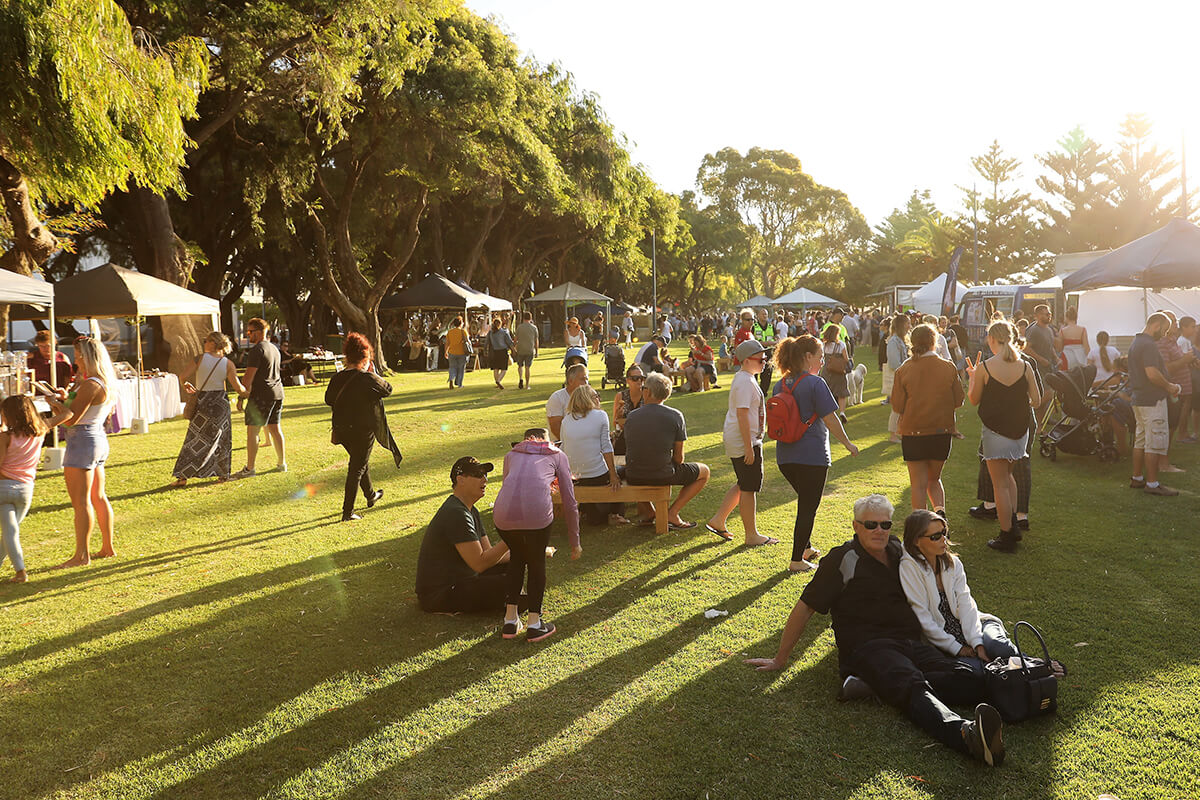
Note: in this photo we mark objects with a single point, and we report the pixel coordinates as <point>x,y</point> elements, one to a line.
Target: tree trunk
<point>33,243</point>
<point>157,250</point>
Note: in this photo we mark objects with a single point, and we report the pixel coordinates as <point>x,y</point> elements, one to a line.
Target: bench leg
<point>661,507</point>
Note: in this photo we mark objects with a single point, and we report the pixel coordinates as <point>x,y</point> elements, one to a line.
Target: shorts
<point>498,359</point>
<point>996,447</point>
<point>1152,433</point>
<point>524,360</point>
<point>263,411</point>
<point>749,477</point>
<point>932,447</point>
<point>87,447</point>
<point>686,473</point>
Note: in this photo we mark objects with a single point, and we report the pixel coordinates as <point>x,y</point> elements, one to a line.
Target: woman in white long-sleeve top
<point>936,586</point>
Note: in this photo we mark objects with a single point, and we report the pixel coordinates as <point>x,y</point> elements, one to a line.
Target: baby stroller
<point>575,355</point>
<point>614,367</point>
<point>1077,421</point>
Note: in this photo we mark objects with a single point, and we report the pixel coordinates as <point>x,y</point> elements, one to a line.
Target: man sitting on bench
<point>654,437</point>
<point>879,640</point>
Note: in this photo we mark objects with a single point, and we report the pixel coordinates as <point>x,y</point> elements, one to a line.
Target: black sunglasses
<point>935,537</point>
<point>636,378</point>
<point>872,524</point>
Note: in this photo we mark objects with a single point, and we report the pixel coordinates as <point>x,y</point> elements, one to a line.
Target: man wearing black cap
<point>458,569</point>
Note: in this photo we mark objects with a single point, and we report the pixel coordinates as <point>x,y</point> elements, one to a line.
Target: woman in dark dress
<point>354,394</point>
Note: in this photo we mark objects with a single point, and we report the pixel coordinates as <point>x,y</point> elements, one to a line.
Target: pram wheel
<point>1109,454</point>
<point>1048,450</point>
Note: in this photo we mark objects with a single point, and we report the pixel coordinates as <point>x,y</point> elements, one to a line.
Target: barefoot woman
<point>87,450</point>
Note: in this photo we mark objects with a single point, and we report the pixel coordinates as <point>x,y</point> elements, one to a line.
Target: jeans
<point>458,368</point>
<point>995,639</point>
<point>359,446</point>
<point>15,499</point>
<point>527,550</point>
<point>809,482</point>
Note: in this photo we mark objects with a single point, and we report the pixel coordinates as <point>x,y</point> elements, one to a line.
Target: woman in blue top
<point>500,341</point>
<point>805,462</point>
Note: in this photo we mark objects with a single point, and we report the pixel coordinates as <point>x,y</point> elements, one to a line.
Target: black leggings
<point>809,482</point>
<point>358,473</point>
<point>528,551</point>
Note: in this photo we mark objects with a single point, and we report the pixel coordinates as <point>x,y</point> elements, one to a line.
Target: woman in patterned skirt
<point>208,445</point>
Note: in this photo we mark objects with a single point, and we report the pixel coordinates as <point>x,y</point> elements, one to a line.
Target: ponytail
<point>1002,334</point>
<point>1102,346</point>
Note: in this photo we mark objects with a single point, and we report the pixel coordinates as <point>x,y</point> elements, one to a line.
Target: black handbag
<point>1020,692</point>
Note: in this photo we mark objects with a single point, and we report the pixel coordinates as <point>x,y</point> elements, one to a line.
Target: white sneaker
<point>281,468</point>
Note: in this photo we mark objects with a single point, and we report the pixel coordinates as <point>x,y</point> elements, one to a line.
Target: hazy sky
<point>875,98</point>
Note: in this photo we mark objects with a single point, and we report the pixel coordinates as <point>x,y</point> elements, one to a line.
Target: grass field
<point>246,644</point>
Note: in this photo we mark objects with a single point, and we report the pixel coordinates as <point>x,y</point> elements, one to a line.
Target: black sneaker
<point>854,688</point>
<point>1006,542</point>
<point>375,497</point>
<point>1023,524</point>
<point>984,736</point>
<point>982,512</point>
<point>543,630</point>
<point>350,517</point>
<point>510,629</point>
<point>1016,528</point>
<point>521,384</point>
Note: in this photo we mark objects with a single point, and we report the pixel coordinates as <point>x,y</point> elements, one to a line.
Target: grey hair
<point>657,386</point>
<point>873,504</point>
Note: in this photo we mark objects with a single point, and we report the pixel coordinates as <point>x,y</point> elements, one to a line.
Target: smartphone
<point>41,387</point>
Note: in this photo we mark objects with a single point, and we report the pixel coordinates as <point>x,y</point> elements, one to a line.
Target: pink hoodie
<point>524,502</point>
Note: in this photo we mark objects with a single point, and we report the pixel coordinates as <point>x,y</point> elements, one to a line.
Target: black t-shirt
<point>264,357</point>
<point>353,394</point>
<point>649,355</point>
<point>864,597</point>
<point>960,333</point>
<point>439,564</point>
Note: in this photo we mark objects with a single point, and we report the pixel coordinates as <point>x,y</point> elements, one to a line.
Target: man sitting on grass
<point>458,569</point>
<point>654,437</point>
<point>879,639</point>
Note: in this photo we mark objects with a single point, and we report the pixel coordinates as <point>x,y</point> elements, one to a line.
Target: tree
<point>87,107</point>
<point>1078,213</point>
<point>1145,191</point>
<point>799,228</point>
<point>1007,240</point>
<point>882,262</point>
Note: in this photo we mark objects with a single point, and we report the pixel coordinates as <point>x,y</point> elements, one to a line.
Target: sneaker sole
<point>992,757</point>
<point>510,635</point>
<point>543,636</point>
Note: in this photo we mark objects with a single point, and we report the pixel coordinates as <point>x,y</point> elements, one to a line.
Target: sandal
<point>178,484</point>
<point>768,540</point>
<point>645,523</point>
<point>682,526</point>
<point>726,535</point>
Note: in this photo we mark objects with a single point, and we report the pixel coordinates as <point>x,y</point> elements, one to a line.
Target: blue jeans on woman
<point>15,499</point>
<point>458,368</point>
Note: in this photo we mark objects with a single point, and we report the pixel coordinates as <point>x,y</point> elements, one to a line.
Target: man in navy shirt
<point>1150,388</point>
<point>879,639</point>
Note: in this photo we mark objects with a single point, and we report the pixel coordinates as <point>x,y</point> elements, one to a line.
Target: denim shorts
<point>87,446</point>
<point>1001,448</point>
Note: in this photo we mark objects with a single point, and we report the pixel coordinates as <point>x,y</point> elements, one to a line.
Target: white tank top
<point>96,412</point>
<point>214,382</point>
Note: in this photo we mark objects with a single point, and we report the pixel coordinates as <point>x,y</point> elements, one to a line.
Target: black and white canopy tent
<point>436,292</point>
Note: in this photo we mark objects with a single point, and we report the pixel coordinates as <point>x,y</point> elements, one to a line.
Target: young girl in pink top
<point>523,513</point>
<point>20,451</point>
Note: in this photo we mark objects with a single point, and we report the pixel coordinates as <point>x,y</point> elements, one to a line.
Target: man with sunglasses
<point>879,639</point>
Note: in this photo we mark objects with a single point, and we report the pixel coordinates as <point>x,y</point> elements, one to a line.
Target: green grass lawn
<point>246,644</point>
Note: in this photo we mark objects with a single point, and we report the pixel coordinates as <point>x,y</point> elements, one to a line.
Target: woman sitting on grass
<point>20,451</point>
<point>935,584</point>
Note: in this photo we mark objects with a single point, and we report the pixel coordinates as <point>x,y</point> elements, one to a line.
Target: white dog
<point>854,382</point>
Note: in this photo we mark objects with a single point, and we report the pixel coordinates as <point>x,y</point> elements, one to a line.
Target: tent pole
<point>53,367</point>
<point>137,331</point>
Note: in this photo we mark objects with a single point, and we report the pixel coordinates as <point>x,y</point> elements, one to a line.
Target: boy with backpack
<point>800,416</point>
<point>743,438</point>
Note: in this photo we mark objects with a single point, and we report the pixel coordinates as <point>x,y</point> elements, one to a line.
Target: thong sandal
<point>768,540</point>
<point>726,535</point>
<point>683,526</point>
<point>178,484</point>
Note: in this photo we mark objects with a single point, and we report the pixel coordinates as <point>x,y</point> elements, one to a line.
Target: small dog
<point>854,382</point>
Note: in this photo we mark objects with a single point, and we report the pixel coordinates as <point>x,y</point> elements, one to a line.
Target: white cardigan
<point>920,586</point>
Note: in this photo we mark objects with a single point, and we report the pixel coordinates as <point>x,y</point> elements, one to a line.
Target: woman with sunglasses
<point>936,586</point>
<point>805,462</point>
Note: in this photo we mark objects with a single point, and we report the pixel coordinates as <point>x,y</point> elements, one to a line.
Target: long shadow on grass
<point>528,723</point>
<point>326,736</point>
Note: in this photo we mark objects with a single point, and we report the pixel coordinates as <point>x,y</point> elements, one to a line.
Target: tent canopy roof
<point>566,292</point>
<point>805,297</point>
<point>15,288</point>
<point>112,291</point>
<point>758,301</point>
<point>1166,259</point>
<point>935,288</point>
<point>486,300</point>
<point>436,291</point>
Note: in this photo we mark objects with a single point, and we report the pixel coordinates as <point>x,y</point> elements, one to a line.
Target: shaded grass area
<point>246,644</point>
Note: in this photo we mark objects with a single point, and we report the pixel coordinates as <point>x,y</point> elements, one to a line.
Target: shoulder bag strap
<point>200,388</point>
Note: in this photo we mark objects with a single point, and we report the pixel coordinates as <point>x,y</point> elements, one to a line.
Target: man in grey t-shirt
<point>654,437</point>
<point>527,348</point>
<point>1040,347</point>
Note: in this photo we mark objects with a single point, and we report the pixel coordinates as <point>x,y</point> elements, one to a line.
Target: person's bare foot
<point>104,553</point>
<point>74,561</point>
<point>812,554</point>
<point>20,577</point>
<point>1170,468</point>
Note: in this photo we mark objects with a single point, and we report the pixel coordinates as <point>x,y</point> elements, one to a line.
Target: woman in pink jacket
<point>523,514</point>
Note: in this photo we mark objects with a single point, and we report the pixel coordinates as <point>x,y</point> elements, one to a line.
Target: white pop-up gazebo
<point>803,298</point>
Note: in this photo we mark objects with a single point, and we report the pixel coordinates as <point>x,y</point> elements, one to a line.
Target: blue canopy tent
<point>1169,258</point>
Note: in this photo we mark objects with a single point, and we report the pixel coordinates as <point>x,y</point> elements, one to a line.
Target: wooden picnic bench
<point>659,495</point>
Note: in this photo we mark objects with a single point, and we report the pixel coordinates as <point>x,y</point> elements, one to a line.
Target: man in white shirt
<point>781,327</point>
<point>556,406</point>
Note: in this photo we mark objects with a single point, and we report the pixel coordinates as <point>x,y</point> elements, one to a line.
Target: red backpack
<point>784,423</point>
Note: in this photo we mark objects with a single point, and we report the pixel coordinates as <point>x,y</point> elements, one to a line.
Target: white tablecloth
<point>160,400</point>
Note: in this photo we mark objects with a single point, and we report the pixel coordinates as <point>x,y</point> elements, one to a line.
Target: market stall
<point>110,291</point>
<point>804,299</point>
<point>15,378</point>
